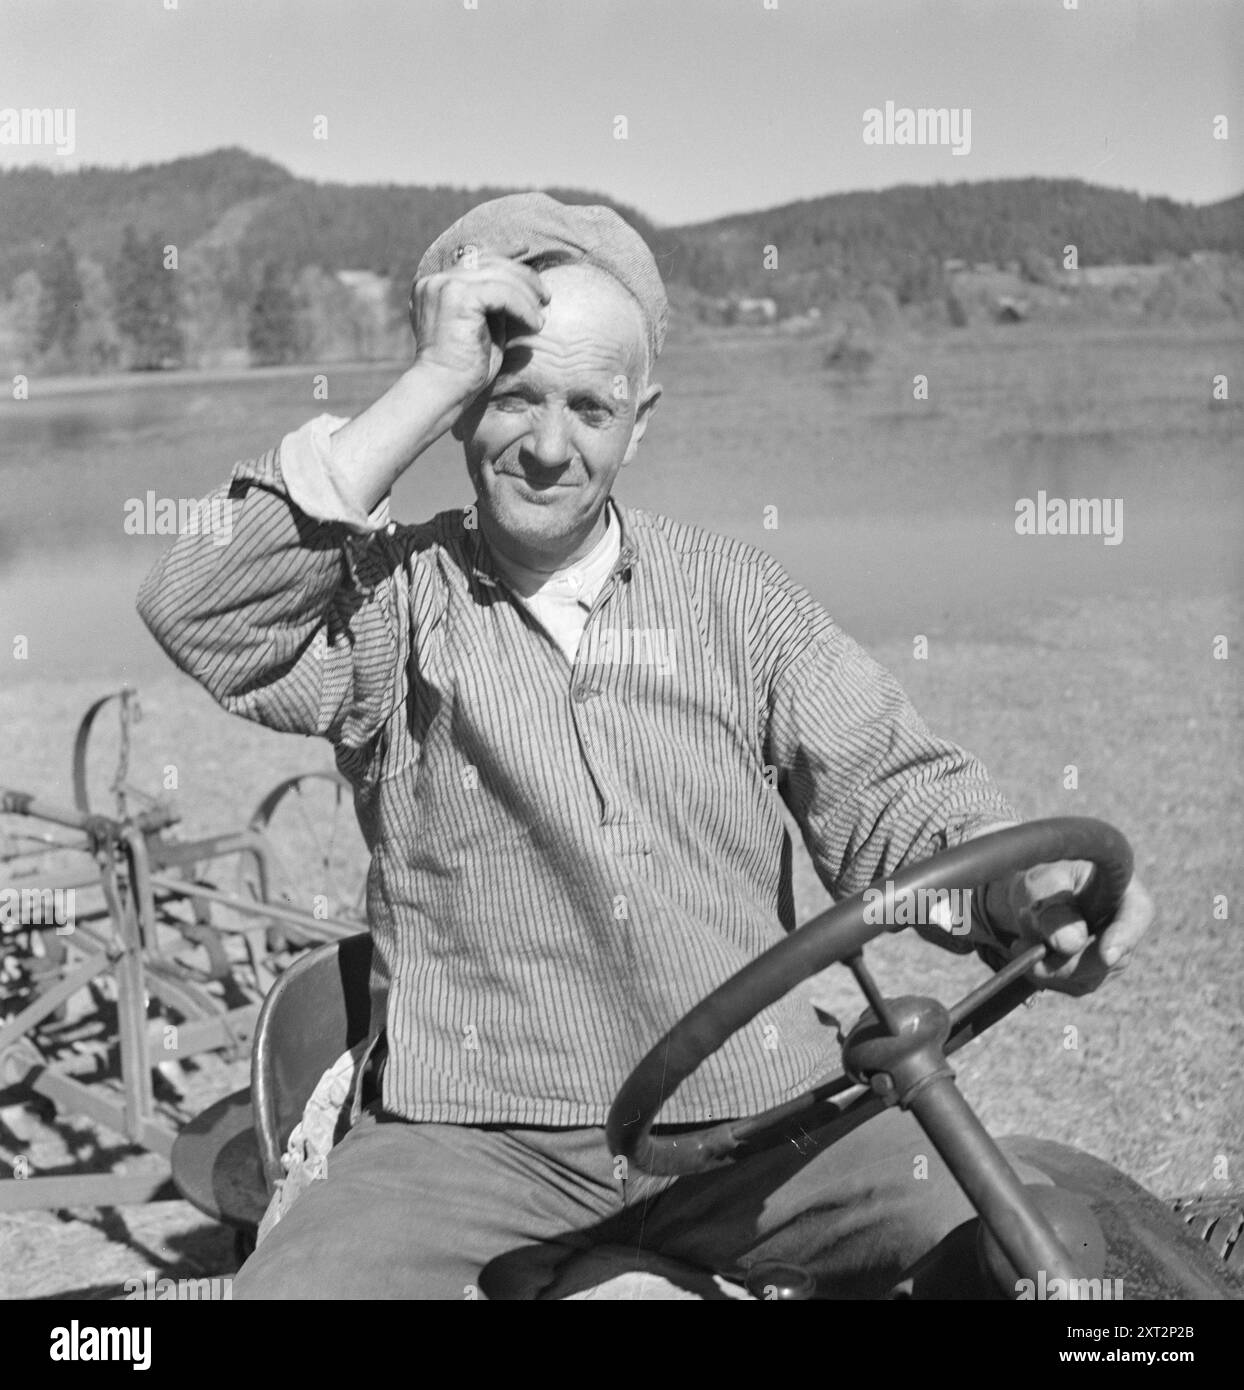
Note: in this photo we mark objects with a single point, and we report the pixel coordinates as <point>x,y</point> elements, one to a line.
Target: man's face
<point>568,408</point>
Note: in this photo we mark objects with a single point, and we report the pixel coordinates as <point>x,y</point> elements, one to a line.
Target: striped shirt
<point>565,856</point>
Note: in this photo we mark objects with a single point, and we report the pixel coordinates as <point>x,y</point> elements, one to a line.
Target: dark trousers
<point>432,1211</point>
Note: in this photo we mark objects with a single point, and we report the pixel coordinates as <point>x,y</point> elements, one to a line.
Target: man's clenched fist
<point>1040,905</point>
<point>462,318</point>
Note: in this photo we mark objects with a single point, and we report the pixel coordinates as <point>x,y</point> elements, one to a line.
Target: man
<point>560,717</point>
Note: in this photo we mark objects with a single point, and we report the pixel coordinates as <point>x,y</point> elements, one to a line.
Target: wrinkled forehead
<point>591,315</point>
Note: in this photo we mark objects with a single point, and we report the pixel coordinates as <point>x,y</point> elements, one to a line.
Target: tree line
<point>151,309</point>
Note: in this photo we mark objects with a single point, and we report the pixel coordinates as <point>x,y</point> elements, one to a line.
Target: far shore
<point>43,387</point>
<point>690,335</point>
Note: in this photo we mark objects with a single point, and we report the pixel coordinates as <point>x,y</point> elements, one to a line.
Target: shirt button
<point>583,693</point>
<point>575,580</point>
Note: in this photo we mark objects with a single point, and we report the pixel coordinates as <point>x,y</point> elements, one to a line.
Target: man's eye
<point>593,412</point>
<point>508,402</point>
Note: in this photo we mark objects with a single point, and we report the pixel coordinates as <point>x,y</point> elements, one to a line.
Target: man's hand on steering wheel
<point>1038,904</point>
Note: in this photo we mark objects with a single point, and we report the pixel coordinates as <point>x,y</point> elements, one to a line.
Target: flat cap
<point>525,226</point>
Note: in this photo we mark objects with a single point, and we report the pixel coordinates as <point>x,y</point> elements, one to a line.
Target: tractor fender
<point>1147,1246</point>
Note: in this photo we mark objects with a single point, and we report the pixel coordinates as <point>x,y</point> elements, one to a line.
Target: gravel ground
<point>91,1253</point>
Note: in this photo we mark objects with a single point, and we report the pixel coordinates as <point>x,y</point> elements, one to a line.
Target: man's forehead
<point>527,359</point>
<point>591,323</point>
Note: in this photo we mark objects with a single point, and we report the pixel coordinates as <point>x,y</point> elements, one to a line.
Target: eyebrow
<point>587,394</point>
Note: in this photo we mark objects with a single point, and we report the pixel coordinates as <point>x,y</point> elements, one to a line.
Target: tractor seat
<point>216,1166</point>
<point>228,1160</point>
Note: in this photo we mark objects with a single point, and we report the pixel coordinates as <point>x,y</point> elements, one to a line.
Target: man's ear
<point>643,413</point>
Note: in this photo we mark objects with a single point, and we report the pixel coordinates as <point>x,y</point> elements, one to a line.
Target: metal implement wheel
<point>317,860</point>
<point>102,756</point>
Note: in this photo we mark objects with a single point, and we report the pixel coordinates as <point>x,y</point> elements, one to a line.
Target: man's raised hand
<point>462,318</point>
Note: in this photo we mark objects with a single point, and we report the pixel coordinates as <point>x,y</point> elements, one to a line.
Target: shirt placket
<point>594,703</point>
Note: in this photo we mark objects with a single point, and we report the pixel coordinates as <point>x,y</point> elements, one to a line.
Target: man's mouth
<point>537,484</point>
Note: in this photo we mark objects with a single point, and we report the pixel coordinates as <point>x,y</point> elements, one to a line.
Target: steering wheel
<point>898,1049</point>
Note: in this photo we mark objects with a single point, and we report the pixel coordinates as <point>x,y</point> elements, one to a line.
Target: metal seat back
<point>318,1009</point>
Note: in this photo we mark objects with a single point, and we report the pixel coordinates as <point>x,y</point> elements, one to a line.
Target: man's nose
<point>548,443</point>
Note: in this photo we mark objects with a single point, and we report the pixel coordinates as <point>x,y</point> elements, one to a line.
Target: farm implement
<point>128,950</point>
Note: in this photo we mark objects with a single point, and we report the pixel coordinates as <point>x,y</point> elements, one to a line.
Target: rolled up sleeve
<point>290,613</point>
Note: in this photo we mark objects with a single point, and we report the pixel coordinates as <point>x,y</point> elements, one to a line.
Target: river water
<point>898,513</point>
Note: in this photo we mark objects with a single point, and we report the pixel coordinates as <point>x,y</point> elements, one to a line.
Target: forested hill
<point>233,198</point>
<point>268,215</point>
<point>182,200</point>
<point>272,268</point>
<point>848,240</point>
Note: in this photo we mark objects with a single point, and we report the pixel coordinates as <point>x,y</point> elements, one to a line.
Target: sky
<point>729,105</point>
